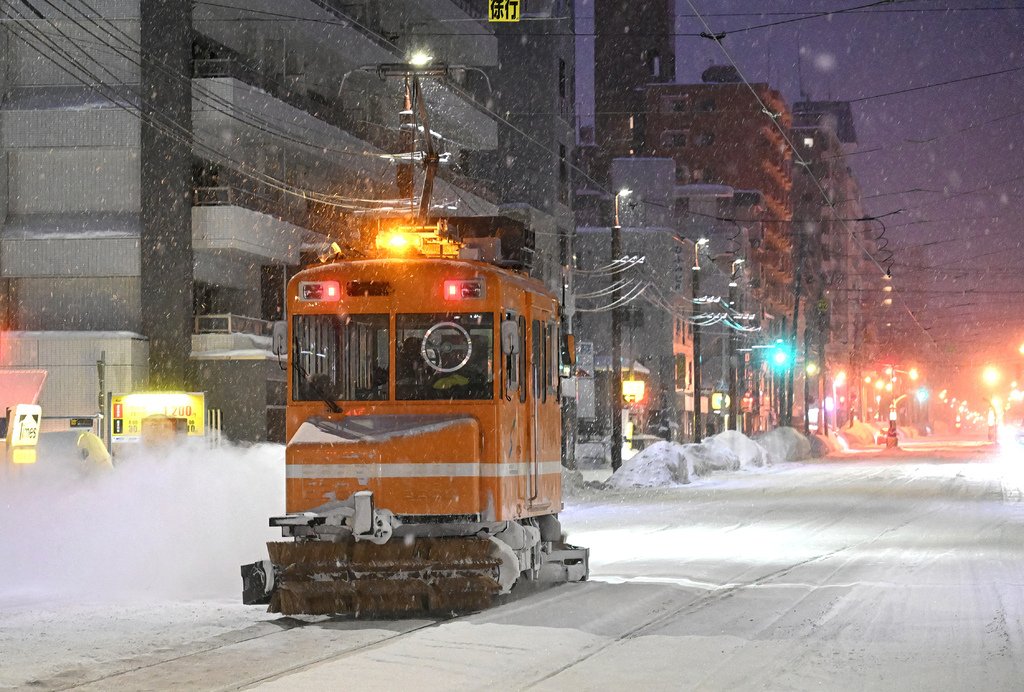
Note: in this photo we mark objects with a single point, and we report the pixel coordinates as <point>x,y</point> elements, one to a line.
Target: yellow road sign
<point>503,10</point>
<point>127,411</point>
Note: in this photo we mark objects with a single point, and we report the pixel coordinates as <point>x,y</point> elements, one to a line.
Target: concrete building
<point>843,288</point>
<point>166,164</point>
<point>717,134</point>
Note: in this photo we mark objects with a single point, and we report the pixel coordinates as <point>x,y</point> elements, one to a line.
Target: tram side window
<point>340,357</point>
<point>444,356</point>
<point>522,357</point>
<point>553,358</point>
<point>539,390</point>
<point>512,378</point>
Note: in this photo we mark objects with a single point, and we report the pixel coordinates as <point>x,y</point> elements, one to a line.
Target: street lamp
<point>991,375</point>
<point>615,390</point>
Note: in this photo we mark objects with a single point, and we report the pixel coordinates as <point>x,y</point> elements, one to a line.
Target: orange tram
<point>423,466</point>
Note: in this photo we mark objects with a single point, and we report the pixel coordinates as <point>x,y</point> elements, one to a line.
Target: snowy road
<point>903,572</point>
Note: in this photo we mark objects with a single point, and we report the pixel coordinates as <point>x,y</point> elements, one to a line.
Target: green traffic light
<point>782,356</point>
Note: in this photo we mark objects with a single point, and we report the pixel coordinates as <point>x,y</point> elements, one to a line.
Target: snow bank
<point>710,456</point>
<point>659,465</point>
<point>750,453</point>
<point>859,435</point>
<point>669,464</point>
<point>173,523</point>
<point>822,445</point>
<point>787,444</point>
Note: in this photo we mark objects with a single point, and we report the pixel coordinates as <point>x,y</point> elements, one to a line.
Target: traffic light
<point>781,356</point>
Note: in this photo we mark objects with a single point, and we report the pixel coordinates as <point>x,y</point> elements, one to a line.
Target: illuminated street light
<point>420,59</point>
<point>913,374</point>
<point>991,376</point>
<point>879,384</point>
<point>812,369</point>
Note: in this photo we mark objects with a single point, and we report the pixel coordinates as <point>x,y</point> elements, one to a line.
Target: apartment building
<point>166,165</point>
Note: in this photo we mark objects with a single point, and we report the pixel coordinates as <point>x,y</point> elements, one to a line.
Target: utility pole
<point>615,387</point>
<point>733,354</point>
<point>698,434</point>
<point>797,286</point>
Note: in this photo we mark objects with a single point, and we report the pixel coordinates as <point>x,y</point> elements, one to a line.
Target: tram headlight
<point>398,242</point>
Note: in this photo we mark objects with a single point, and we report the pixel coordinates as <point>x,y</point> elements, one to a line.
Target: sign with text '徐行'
<point>503,10</point>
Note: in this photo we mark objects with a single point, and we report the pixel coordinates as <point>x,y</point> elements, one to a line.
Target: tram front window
<point>340,357</point>
<point>444,356</point>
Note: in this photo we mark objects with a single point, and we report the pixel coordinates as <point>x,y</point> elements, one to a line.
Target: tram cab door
<point>542,403</point>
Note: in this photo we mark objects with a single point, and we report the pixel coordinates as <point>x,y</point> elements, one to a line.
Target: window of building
<point>679,106</point>
<point>707,106</point>
<point>563,79</point>
<point>705,139</point>
<point>681,378</point>
<point>808,142</point>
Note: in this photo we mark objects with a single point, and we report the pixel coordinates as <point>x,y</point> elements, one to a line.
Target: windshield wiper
<point>331,404</point>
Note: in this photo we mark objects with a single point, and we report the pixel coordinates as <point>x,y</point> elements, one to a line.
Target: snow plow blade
<point>367,580</point>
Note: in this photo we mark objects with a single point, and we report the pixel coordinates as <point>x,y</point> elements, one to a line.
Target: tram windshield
<point>347,357</point>
<point>444,356</point>
<point>340,357</point>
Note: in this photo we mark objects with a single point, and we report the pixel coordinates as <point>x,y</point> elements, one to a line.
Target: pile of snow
<point>710,456</point>
<point>787,444</point>
<point>669,464</point>
<point>661,464</point>
<point>859,435</point>
<point>823,445</point>
<point>750,453</point>
<point>163,523</point>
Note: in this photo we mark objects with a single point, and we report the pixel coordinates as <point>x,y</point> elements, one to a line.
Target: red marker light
<point>319,290</point>
<point>461,289</point>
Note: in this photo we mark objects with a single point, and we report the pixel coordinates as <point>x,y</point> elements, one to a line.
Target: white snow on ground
<point>787,444</point>
<point>805,577</point>
<point>859,435</point>
<point>750,453</point>
<point>668,463</point>
<point>175,522</point>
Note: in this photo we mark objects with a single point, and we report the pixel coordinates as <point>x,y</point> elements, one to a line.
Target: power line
<point>785,136</point>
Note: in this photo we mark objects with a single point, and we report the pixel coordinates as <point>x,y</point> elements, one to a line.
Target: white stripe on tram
<point>465,469</point>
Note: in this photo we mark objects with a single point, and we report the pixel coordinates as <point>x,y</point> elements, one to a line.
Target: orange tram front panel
<point>437,418</point>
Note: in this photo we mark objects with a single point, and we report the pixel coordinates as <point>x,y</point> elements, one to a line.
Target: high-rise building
<point>718,134</point>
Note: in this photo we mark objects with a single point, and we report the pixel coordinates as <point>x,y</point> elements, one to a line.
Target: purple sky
<point>911,141</point>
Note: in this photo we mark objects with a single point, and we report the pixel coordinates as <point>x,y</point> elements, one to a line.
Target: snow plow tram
<point>423,464</point>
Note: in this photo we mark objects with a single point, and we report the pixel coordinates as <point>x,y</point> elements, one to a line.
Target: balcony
<point>231,337</point>
<point>229,239</point>
<point>228,114</point>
